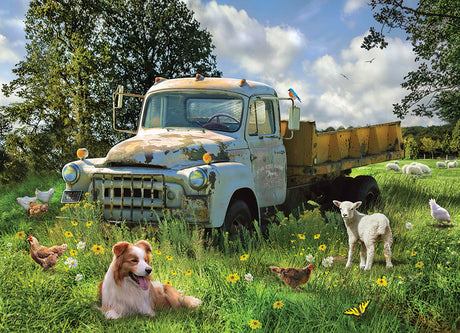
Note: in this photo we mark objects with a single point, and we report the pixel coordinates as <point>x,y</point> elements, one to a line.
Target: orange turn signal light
<point>82,153</point>
<point>207,158</point>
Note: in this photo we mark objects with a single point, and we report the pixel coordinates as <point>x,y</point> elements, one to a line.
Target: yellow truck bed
<point>312,156</point>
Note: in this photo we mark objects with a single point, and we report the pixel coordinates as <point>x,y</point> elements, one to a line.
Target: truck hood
<point>171,149</point>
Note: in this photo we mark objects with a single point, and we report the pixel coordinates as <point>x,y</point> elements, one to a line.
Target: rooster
<point>439,213</point>
<point>44,197</point>
<point>37,209</point>
<point>25,202</point>
<point>46,257</point>
<point>293,277</point>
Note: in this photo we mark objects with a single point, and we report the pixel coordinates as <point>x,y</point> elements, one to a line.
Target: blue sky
<point>302,44</point>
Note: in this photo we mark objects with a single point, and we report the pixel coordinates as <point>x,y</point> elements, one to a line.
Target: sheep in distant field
<point>392,166</point>
<point>396,162</point>
<point>452,164</point>
<point>441,165</point>
<point>413,170</point>
<point>425,168</point>
<point>404,167</point>
<point>368,229</point>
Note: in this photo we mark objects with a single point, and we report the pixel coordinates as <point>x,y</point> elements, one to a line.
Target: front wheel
<point>238,216</point>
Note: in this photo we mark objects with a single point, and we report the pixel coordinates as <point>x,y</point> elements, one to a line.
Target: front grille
<point>130,197</point>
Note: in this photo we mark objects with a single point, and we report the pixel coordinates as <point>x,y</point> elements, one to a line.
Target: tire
<point>365,189</point>
<point>238,216</point>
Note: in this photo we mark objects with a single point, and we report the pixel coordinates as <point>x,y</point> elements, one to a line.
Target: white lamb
<point>425,168</point>
<point>452,164</point>
<point>441,165</point>
<point>404,167</point>
<point>413,170</point>
<point>393,167</point>
<point>367,229</point>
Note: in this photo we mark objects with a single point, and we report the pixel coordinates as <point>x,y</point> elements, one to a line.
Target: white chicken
<point>25,202</point>
<point>44,197</point>
<point>439,213</point>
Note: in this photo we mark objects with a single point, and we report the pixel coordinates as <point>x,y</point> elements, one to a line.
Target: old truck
<point>215,152</point>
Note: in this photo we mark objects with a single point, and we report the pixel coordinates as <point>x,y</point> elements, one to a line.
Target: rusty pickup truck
<point>215,152</point>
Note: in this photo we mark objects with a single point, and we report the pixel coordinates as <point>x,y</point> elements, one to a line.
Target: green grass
<point>414,298</point>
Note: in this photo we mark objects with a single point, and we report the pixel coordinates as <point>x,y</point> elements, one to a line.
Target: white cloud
<point>352,5</point>
<point>257,49</point>
<point>6,52</point>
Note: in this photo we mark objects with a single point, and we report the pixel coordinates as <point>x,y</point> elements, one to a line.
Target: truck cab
<point>208,150</point>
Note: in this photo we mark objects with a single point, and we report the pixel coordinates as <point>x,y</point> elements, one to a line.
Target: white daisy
<point>310,258</point>
<point>78,277</point>
<point>409,226</point>
<point>81,245</point>
<point>327,262</point>
<point>71,262</point>
<point>249,277</point>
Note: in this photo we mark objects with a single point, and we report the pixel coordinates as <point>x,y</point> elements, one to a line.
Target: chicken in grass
<point>47,257</point>
<point>44,197</point>
<point>438,213</point>
<point>293,277</point>
<point>37,209</point>
<point>25,202</point>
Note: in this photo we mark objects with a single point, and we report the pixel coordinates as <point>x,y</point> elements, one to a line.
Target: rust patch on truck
<point>195,208</point>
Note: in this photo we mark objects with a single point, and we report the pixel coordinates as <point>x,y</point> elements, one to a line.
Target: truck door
<point>268,155</point>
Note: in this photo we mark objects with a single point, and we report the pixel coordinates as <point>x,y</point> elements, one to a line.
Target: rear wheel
<point>365,189</point>
<point>238,216</point>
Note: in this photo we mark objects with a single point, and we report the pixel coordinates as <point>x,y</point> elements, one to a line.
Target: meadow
<point>231,276</point>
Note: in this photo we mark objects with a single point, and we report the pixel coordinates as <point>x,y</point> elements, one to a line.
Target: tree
<point>455,144</point>
<point>429,145</point>
<point>78,51</point>
<point>411,149</point>
<point>433,28</point>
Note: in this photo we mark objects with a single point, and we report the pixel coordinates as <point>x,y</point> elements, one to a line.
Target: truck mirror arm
<point>117,100</point>
<point>294,114</point>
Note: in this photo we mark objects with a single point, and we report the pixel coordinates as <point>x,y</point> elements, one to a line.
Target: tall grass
<point>419,294</point>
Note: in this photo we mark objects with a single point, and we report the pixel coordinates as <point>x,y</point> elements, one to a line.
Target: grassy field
<point>420,293</point>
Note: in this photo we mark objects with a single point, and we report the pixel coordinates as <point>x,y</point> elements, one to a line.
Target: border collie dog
<point>127,288</point>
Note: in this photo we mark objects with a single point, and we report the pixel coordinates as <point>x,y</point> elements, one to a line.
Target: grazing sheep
<point>414,170</point>
<point>404,167</point>
<point>396,162</point>
<point>368,229</point>
<point>452,164</point>
<point>441,165</point>
<point>425,168</point>
<point>392,166</point>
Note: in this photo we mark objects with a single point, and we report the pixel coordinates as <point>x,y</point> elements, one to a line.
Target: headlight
<point>197,179</point>
<point>70,173</point>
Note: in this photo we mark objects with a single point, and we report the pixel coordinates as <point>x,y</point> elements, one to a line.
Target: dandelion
<point>327,262</point>
<point>233,278</point>
<point>278,305</point>
<point>316,236</point>
<point>71,262</point>
<point>169,257</point>
<point>74,223</point>
<point>169,283</point>
<point>382,282</point>
<point>20,235</point>
<point>97,249</point>
<point>173,272</point>
<point>419,264</point>
<point>189,272</point>
<point>409,226</point>
<point>89,223</point>
<point>73,252</point>
<point>244,257</point>
<point>81,245</point>
<point>322,247</point>
<point>158,252</point>
<point>249,277</point>
<point>78,277</point>
<point>68,234</point>
<point>255,324</point>
<point>301,236</point>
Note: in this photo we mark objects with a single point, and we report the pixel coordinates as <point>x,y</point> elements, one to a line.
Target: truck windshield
<point>211,111</point>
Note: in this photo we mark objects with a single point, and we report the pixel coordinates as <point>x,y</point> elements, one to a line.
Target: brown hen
<point>46,257</point>
<point>293,277</point>
<point>37,209</point>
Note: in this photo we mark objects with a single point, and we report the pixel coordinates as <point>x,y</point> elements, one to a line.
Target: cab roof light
<point>159,79</point>
<point>242,82</point>
<point>199,77</point>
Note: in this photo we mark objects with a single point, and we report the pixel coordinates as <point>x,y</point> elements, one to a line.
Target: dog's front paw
<point>112,314</point>
<point>191,302</point>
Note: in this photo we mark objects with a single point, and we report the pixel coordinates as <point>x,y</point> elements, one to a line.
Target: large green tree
<point>433,28</point>
<point>77,52</point>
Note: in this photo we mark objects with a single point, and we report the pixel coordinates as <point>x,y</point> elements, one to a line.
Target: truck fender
<point>230,177</point>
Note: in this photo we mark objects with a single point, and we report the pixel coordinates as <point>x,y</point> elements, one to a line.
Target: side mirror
<point>294,118</point>
<point>118,96</point>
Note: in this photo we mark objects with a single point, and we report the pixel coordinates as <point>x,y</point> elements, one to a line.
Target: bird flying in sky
<point>292,94</point>
<point>344,76</point>
<point>370,61</point>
